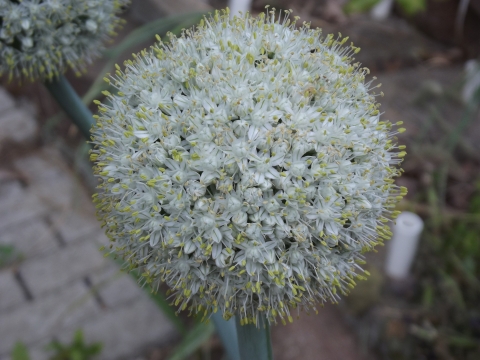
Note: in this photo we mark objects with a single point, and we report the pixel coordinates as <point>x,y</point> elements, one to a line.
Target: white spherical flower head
<point>270,168</point>
<point>40,39</point>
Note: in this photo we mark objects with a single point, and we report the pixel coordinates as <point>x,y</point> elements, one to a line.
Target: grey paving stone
<point>76,225</point>
<point>45,164</point>
<point>30,238</point>
<point>60,194</point>
<point>17,126</point>
<point>116,287</point>
<point>47,317</point>
<point>61,303</point>
<point>126,330</point>
<point>59,189</point>
<point>101,239</point>
<point>58,269</point>
<point>18,204</point>
<point>52,181</point>
<point>6,101</point>
<point>11,293</point>
<point>9,191</point>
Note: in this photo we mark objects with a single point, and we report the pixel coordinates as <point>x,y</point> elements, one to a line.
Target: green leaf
<point>254,342</point>
<point>68,99</point>
<point>462,341</point>
<point>8,255</point>
<point>452,290</point>
<point>20,352</point>
<point>76,350</point>
<point>95,349</point>
<point>77,355</point>
<point>194,339</point>
<point>355,6</point>
<point>412,7</point>
<point>78,338</point>
<point>428,296</point>
<point>227,332</point>
<point>149,30</point>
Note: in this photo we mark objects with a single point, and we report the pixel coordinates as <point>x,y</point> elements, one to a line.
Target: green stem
<point>254,342</point>
<point>227,333</point>
<point>70,102</point>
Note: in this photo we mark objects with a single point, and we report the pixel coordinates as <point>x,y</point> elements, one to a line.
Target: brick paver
<point>11,293</point>
<point>114,288</point>
<point>47,317</point>
<point>139,320</point>
<point>51,181</point>
<point>73,226</point>
<point>46,274</point>
<point>31,237</point>
<point>18,205</point>
<point>62,281</point>
<point>10,120</point>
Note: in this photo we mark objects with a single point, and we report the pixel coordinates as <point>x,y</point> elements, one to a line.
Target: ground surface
<point>49,291</point>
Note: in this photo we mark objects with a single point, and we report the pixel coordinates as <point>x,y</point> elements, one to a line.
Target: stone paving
<point>49,292</point>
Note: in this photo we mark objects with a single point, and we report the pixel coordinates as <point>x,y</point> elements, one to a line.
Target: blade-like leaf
<point>20,352</point>
<point>149,30</point>
<point>227,332</point>
<point>254,342</point>
<point>67,98</point>
<point>192,341</point>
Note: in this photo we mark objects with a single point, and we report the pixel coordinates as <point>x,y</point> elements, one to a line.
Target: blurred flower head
<point>245,164</point>
<point>40,39</point>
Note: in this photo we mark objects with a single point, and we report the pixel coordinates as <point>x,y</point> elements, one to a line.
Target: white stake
<point>237,6</point>
<point>382,10</point>
<point>472,82</point>
<point>403,246</point>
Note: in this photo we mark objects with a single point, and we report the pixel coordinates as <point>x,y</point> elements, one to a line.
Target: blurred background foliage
<point>76,350</point>
<point>435,313</point>
<point>408,6</point>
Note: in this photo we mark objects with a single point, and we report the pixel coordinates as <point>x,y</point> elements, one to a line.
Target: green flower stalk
<point>245,164</point>
<point>40,39</point>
